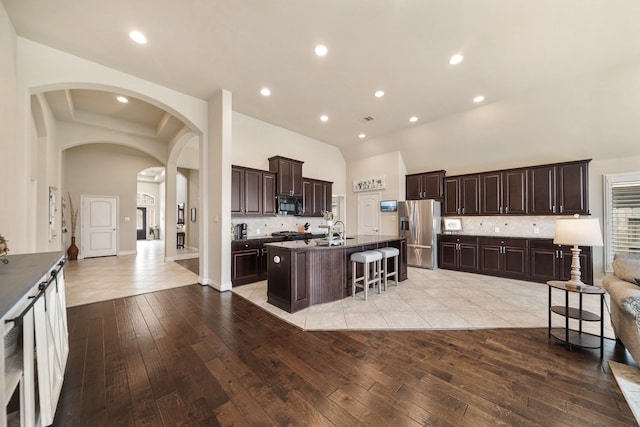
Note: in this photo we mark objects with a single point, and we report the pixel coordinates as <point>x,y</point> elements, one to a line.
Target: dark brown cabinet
<point>252,192</point>
<point>249,260</point>
<point>268,193</point>
<point>504,192</point>
<point>462,195</point>
<point>246,261</point>
<point>559,189</point>
<point>458,253</point>
<point>316,196</point>
<point>289,175</point>
<point>427,185</point>
<point>553,262</point>
<point>508,257</point>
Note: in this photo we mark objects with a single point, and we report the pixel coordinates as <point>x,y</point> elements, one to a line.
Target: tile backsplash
<point>509,226</point>
<point>264,226</point>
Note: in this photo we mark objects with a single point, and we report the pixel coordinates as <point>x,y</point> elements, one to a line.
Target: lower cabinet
<point>553,262</point>
<point>535,260</point>
<point>459,253</point>
<point>504,257</point>
<point>249,260</point>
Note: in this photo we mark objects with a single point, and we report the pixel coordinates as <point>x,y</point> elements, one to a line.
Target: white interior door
<point>369,214</point>
<point>99,226</point>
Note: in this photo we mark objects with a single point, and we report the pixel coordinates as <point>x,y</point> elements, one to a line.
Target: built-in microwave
<point>289,205</point>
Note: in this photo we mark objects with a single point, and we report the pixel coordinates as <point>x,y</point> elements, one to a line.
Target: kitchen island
<point>303,273</point>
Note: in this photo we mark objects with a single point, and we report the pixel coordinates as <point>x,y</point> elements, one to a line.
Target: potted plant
<point>328,216</point>
<point>3,244</point>
<point>3,249</point>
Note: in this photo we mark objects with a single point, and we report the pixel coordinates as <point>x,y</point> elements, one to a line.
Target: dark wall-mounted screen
<point>388,205</point>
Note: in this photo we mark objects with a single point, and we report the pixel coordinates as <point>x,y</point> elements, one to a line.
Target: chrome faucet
<point>343,233</point>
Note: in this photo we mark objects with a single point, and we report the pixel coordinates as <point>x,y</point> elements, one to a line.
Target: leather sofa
<point>623,287</point>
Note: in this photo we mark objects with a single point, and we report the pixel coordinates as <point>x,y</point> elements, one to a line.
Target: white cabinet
<point>32,295</point>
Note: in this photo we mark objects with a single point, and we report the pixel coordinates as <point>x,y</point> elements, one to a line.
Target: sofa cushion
<point>623,294</point>
<point>627,267</point>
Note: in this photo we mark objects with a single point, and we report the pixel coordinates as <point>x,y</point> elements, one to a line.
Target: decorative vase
<point>73,250</point>
<point>330,223</point>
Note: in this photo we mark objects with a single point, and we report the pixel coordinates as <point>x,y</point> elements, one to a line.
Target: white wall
<point>193,240</point>
<point>254,141</point>
<point>31,68</point>
<point>12,223</point>
<point>391,166</point>
<point>107,170</point>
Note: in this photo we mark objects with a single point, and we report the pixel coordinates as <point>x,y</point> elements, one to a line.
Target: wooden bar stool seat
<point>371,264</point>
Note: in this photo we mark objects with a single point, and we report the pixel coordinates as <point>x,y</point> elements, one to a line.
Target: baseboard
<point>127,253</point>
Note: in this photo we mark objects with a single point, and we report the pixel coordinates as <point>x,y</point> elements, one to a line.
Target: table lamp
<point>577,232</point>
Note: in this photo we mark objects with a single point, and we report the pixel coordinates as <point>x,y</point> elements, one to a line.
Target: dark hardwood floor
<point>194,356</point>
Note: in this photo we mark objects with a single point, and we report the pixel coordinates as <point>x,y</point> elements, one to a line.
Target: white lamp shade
<point>578,231</point>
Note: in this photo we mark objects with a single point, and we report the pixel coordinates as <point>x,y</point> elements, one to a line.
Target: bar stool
<point>386,254</point>
<point>368,259</point>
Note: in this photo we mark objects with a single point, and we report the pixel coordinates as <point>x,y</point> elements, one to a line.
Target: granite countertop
<point>350,242</point>
<point>21,274</point>
<point>498,236</point>
<point>269,236</point>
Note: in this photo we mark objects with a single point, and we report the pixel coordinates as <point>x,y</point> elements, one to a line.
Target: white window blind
<point>623,215</point>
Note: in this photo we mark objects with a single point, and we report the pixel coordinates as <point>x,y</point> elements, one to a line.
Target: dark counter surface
<point>21,274</point>
<point>316,244</point>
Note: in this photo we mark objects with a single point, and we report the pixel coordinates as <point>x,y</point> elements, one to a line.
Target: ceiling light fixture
<point>321,50</point>
<point>324,118</point>
<point>138,37</point>
<point>122,99</point>
<point>413,119</point>
<point>362,136</point>
<point>456,59</point>
<point>478,99</point>
<point>265,92</point>
<point>379,94</point>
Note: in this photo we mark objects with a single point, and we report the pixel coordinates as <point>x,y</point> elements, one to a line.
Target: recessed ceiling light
<point>138,37</point>
<point>456,59</point>
<point>122,99</point>
<point>321,50</point>
<point>362,135</point>
<point>324,118</point>
<point>478,99</point>
<point>413,119</point>
<point>265,91</point>
<point>379,93</point>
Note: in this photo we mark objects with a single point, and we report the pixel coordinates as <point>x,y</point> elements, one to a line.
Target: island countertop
<point>358,240</point>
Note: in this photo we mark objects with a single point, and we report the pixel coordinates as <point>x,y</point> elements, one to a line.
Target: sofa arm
<point>623,294</point>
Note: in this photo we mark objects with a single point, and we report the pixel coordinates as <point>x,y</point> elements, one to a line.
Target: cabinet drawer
<point>243,245</point>
<point>509,241</point>
<point>452,238</point>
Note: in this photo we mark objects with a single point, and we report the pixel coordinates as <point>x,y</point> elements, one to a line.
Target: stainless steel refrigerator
<point>419,222</point>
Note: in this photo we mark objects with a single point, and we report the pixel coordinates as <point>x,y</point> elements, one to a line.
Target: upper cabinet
<point>316,196</point>
<point>426,185</point>
<point>289,175</point>
<point>504,192</point>
<point>556,189</point>
<point>252,192</point>
<point>561,189</point>
<point>462,195</point>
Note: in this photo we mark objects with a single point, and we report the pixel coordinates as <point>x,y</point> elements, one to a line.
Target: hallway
<point>100,279</point>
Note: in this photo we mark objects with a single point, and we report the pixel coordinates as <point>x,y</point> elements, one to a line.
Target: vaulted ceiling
<point>401,47</point>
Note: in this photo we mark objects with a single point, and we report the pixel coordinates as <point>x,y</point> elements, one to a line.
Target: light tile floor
<point>437,299</point>
<point>429,299</point>
<point>100,279</point>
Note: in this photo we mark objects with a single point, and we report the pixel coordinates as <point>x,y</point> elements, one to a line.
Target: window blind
<point>625,215</point>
